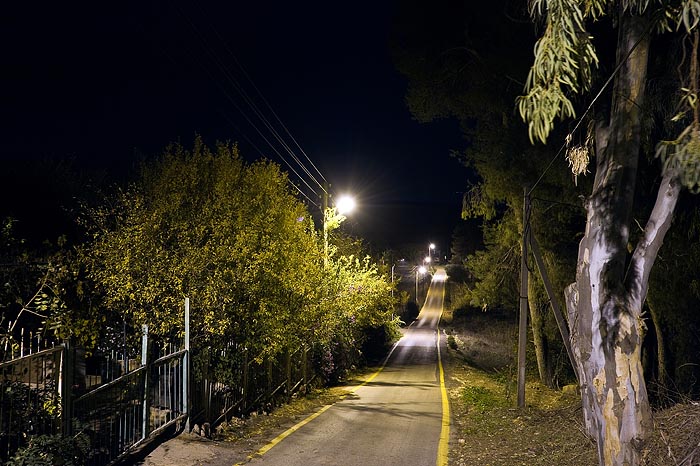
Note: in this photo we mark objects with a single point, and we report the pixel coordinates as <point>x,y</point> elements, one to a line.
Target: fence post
<point>305,366</point>
<point>66,388</point>
<point>288,372</point>
<point>144,362</point>
<point>186,367</point>
<point>269,377</point>
<point>244,404</point>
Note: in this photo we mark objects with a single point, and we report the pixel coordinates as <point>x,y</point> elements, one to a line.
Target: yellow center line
<point>443,444</point>
<point>313,416</point>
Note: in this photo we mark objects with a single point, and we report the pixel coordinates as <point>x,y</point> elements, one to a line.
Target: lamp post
<point>419,270</point>
<point>431,246</point>
<point>392,280</point>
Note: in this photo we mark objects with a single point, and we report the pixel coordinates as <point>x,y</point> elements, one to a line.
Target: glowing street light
<point>427,260</point>
<point>345,204</point>
<point>431,246</point>
<point>333,217</point>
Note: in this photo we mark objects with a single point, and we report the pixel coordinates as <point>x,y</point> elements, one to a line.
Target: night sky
<point>107,84</point>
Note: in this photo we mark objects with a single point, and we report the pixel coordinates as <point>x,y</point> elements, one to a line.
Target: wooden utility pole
<point>522,326</point>
<point>324,212</point>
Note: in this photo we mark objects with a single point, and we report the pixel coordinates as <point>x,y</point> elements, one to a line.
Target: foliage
<point>233,238</point>
<point>564,58</point>
<point>203,224</point>
<point>461,71</point>
<point>480,399</point>
<point>493,267</point>
<point>53,450</point>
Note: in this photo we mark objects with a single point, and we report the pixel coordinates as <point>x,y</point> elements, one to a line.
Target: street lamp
<point>345,204</point>
<point>431,246</point>
<point>332,218</point>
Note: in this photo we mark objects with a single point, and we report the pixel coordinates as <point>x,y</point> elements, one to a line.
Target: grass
<point>487,427</point>
<point>260,428</point>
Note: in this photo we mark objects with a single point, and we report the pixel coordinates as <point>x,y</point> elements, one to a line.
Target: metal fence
<point>118,404</point>
<point>29,396</point>
<point>258,386</point>
<point>122,414</point>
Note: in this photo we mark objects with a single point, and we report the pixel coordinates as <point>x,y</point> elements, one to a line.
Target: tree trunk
<point>538,314</point>
<point>661,374</point>
<point>604,304</point>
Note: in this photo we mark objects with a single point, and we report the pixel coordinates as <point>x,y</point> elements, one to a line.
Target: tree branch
<point>647,249</point>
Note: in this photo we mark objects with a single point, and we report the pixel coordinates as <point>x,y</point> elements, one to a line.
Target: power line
<point>256,110</point>
<point>245,73</point>
<point>261,153</point>
<point>244,114</point>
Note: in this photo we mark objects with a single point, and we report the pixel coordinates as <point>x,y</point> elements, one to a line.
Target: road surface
<point>399,417</point>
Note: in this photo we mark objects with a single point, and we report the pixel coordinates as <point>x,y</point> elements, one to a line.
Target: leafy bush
<point>53,450</point>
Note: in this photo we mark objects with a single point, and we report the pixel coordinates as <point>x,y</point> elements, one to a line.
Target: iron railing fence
<point>119,398</point>
<point>112,417</point>
<point>29,398</point>
<point>251,385</point>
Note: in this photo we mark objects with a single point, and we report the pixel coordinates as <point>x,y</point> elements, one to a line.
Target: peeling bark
<point>604,305</point>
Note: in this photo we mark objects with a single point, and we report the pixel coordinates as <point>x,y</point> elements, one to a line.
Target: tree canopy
<point>231,236</point>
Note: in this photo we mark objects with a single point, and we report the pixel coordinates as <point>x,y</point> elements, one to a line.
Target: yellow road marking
<point>443,445</point>
<point>313,416</point>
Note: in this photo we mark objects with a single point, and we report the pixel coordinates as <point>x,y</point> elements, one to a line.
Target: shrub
<point>52,450</point>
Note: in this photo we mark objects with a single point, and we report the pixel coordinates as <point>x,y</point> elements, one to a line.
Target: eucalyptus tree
<point>612,278</point>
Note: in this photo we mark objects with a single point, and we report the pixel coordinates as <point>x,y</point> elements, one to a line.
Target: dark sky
<point>107,83</point>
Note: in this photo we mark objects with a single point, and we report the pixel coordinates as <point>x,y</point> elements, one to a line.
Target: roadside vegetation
<point>200,223</point>
<point>481,381</point>
<point>620,250</point>
<point>488,429</point>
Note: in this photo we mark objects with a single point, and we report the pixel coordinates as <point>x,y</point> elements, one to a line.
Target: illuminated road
<point>395,419</point>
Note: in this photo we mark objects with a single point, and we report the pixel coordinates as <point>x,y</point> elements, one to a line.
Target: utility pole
<point>522,325</point>
<point>324,212</point>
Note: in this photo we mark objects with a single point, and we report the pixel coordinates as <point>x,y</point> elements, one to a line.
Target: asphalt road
<point>394,419</point>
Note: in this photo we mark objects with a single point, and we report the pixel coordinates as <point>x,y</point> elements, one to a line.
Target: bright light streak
<point>345,205</point>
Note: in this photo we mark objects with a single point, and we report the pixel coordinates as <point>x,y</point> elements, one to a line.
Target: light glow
<point>345,205</point>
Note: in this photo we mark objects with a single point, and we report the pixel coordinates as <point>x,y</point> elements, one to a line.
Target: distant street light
<point>431,246</point>
<point>427,260</point>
